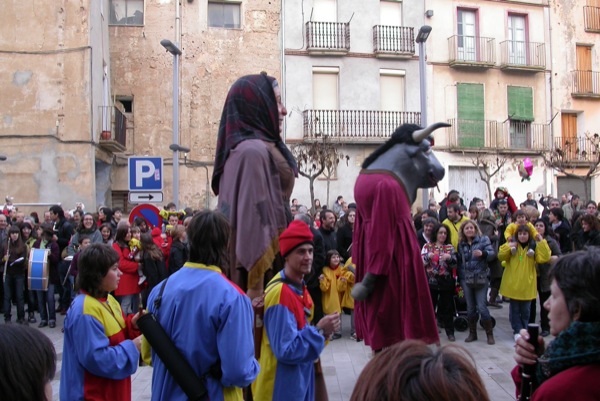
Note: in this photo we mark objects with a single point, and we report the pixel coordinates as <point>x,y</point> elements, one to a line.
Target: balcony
<point>393,41</point>
<point>355,126</point>
<point>577,150</point>
<point>586,84</point>
<point>522,56</point>
<point>328,38</point>
<point>113,128</point>
<point>591,19</point>
<point>471,51</point>
<point>510,137</point>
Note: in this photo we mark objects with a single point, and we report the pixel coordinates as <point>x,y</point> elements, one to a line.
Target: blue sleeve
<point>238,364</point>
<point>486,244</point>
<point>97,356</point>
<point>289,344</point>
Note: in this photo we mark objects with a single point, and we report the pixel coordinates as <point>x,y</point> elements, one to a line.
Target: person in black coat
<point>590,235</point>
<point>179,251</point>
<point>153,265</point>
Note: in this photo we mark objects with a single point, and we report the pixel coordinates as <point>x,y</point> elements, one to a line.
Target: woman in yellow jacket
<point>336,281</point>
<point>519,282</point>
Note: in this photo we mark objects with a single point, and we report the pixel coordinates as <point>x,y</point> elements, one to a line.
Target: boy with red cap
<point>290,345</point>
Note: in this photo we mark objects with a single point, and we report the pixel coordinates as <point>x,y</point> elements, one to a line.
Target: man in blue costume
<point>290,345</point>
<point>208,318</point>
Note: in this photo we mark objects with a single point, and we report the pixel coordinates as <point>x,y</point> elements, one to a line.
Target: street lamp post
<point>422,36</point>
<point>176,52</point>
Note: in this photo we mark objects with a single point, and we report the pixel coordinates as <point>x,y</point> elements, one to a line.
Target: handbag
<point>476,279</point>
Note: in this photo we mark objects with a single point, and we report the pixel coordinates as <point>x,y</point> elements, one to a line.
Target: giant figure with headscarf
<point>253,176</point>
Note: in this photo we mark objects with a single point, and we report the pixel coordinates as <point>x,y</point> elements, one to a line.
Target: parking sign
<point>145,173</point>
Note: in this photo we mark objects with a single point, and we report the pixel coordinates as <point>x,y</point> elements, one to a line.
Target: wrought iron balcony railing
<point>509,136</point>
<point>355,126</point>
<point>586,84</point>
<point>591,18</point>
<point>520,55</point>
<point>328,37</point>
<point>471,51</point>
<point>113,128</point>
<point>579,149</point>
<point>393,40</point>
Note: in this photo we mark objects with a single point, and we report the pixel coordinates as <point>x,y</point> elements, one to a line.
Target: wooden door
<point>569,135</point>
<point>584,69</point>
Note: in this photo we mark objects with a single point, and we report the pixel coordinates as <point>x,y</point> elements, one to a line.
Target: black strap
<point>158,300</point>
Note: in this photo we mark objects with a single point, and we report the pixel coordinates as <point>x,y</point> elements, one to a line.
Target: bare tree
<point>574,154</point>
<point>315,158</point>
<point>488,165</point>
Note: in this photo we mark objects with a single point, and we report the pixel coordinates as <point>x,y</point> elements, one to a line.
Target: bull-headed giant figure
<point>393,297</point>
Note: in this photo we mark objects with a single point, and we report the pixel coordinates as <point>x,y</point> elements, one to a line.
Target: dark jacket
<point>154,270</point>
<point>466,260</point>
<point>344,240</point>
<point>64,231</point>
<point>590,238</point>
<point>329,239</point>
<point>563,232</point>
<point>312,279</point>
<point>178,256</point>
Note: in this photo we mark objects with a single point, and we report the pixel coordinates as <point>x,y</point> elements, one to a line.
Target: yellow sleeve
<point>510,230</point>
<point>325,284</point>
<point>542,252</point>
<point>504,252</point>
<point>532,231</point>
<point>146,351</point>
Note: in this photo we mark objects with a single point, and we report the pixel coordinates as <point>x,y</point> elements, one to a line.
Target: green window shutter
<point>520,103</point>
<point>471,125</point>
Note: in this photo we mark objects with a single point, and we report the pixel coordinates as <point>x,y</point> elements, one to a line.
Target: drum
<point>38,270</point>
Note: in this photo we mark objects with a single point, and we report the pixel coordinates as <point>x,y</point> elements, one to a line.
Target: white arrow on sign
<point>145,197</point>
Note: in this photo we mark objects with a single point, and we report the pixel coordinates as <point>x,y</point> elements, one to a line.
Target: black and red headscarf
<point>250,112</point>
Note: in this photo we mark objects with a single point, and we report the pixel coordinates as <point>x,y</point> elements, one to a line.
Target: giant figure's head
<point>409,151</point>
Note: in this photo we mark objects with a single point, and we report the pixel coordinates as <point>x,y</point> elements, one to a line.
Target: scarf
<point>250,112</point>
<point>578,345</point>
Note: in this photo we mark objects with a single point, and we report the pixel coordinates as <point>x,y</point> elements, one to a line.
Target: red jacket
<point>128,284</point>
<point>576,383</point>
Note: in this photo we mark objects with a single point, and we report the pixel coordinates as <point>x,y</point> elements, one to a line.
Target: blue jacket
<point>466,260</point>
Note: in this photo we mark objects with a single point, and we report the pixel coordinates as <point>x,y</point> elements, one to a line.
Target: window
<point>467,35</point>
<point>325,100</point>
<point>127,12</point>
<point>391,83</point>
<point>471,125</point>
<point>390,13</point>
<point>520,114</point>
<point>224,15</point>
<point>517,45</point>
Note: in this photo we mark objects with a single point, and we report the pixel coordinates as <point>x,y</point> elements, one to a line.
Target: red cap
<point>297,233</point>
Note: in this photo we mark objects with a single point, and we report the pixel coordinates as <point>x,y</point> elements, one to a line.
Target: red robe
<point>385,244</point>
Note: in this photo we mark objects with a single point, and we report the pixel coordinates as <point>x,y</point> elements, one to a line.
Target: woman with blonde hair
<point>474,252</point>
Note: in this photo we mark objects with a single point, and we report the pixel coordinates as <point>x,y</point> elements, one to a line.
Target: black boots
<point>489,331</point>
<point>472,330</point>
<point>492,300</point>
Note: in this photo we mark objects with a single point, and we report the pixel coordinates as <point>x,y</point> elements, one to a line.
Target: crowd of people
<point>245,298</point>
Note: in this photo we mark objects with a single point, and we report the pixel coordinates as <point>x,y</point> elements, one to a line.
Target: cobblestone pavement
<point>344,359</point>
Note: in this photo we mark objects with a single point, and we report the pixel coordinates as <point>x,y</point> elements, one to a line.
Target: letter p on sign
<point>145,173</point>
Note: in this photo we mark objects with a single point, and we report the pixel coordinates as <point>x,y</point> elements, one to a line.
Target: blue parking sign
<point>145,173</point>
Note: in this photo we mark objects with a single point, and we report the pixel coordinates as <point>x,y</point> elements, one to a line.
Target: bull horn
<point>421,134</point>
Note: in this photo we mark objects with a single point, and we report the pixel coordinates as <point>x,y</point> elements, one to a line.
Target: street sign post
<point>145,197</point>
